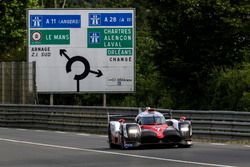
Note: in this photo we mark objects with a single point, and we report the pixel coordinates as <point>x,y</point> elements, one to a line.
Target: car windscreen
<point>152,120</point>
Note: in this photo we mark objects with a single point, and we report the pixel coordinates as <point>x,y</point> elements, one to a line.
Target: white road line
<point>83,134</point>
<point>114,153</point>
<point>21,129</point>
<point>247,146</point>
<point>218,144</point>
<point>61,132</point>
<point>40,130</point>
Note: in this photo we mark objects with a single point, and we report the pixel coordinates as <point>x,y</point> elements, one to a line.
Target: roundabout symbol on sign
<point>85,73</point>
<point>36,36</point>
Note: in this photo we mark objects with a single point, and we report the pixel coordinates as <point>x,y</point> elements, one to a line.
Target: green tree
<point>13,29</point>
<point>231,89</point>
<point>195,37</point>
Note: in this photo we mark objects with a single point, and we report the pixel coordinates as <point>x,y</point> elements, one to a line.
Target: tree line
<point>192,54</point>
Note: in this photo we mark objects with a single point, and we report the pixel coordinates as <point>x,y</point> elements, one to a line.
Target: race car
<point>149,127</point>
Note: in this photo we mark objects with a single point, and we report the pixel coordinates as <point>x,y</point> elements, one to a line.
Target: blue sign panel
<point>55,21</point>
<point>110,19</point>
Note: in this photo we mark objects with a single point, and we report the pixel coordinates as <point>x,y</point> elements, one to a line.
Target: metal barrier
<point>208,125</point>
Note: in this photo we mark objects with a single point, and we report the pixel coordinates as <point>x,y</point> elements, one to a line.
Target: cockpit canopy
<point>150,117</point>
<point>153,120</point>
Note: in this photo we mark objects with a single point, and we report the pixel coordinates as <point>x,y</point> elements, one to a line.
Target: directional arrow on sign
<point>98,73</point>
<point>85,63</point>
<point>81,59</point>
<point>63,53</point>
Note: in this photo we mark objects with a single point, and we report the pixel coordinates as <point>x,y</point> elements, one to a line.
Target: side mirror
<point>169,123</point>
<point>121,120</point>
<point>183,118</point>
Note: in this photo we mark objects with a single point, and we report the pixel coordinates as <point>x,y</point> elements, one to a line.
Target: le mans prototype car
<point>150,127</point>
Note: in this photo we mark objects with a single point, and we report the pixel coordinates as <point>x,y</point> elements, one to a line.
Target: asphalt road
<point>35,148</point>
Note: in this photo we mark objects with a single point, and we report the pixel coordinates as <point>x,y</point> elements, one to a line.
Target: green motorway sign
<point>49,37</point>
<point>110,37</point>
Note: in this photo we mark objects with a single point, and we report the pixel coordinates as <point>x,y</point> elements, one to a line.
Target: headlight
<point>133,131</point>
<point>184,128</point>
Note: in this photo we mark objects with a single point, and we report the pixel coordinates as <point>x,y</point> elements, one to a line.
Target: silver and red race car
<point>149,127</point>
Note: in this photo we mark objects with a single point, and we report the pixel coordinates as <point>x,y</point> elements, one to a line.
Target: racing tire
<point>184,146</point>
<point>111,145</point>
<point>122,141</point>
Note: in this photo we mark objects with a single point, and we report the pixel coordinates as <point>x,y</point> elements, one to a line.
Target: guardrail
<point>208,125</point>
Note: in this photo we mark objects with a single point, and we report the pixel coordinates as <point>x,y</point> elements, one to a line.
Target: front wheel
<point>111,145</point>
<point>122,141</point>
<point>186,144</point>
